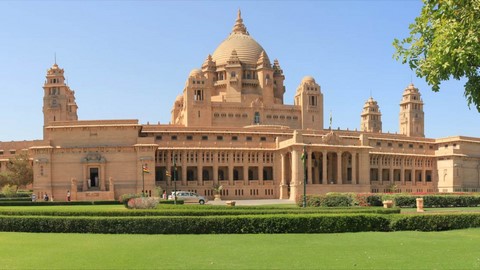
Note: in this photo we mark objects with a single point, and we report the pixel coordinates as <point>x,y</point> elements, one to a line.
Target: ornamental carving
<point>332,138</point>
<point>93,158</point>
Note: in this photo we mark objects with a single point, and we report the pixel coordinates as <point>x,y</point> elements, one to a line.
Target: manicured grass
<point>395,250</point>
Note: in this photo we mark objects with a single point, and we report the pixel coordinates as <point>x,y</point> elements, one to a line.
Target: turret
<point>197,98</point>
<point>58,99</point>
<point>411,113</point>
<point>371,117</point>
<point>310,98</point>
<point>265,78</point>
<point>278,80</point>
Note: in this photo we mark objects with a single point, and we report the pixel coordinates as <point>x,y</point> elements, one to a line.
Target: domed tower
<point>58,99</point>
<point>371,117</point>
<point>411,113</point>
<point>310,99</point>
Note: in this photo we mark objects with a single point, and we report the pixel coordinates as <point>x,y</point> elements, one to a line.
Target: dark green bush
<point>16,199</point>
<point>405,200</point>
<point>436,222</point>
<point>329,200</point>
<point>43,203</point>
<point>198,225</point>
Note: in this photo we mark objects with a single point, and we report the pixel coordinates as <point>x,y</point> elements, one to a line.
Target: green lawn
<point>393,250</point>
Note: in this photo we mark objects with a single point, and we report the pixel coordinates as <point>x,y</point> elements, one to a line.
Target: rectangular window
<point>158,137</point>
<point>219,138</point>
<point>400,145</point>
<point>389,144</point>
<point>249,138</point>
<point>263,139</point>
<point>189,137</point>
<point>410,146</point>
<point>204,138</point>
<point>379,144</point>
<point>12,152</point>
<point>174,137</point>
<point>234,138</point>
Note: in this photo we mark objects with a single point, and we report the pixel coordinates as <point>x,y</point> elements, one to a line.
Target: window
<point>234,138</point>
<point>410,146</point>
<point>249,138</point>
<point>379,143</point>
<point>389,144</point>
<point>263,139</point>
<point>400,145</point>
<point>174,138</point>
<point>204,138</point>
<point>219,138</point>
<point>420,146</point>
<point>12,152</point>
<point>257,118</point>
<point>198,96</point>
<point>158,137</point>
<point>189,137</point>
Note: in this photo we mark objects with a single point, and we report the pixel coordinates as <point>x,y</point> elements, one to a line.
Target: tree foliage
<point>444,43</point>
<point>19,171</point>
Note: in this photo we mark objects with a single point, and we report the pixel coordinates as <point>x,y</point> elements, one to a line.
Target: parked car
<point>188,197</point>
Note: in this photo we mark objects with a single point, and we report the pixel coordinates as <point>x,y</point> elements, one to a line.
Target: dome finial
<point>239,27</point>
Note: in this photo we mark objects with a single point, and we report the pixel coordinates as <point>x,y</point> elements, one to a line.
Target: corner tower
<point>411,117</point>
<point>310,99</point>
<point>371,117</point>
<point>58,99</point>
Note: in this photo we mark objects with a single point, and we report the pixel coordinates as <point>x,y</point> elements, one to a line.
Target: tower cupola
<point>371,117</point>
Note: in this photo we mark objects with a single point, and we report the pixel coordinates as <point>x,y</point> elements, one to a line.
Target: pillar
<point>184,167</point>
<point>339,168</point>
<point>200,168</point>
<point>215,167</point>
<point>309,166</point>
<point>324,167</point>
<point>354,168</point>
<point>283,185</point>
<point>230,168</point>
<point>260,163</point>
<point>245,168</point>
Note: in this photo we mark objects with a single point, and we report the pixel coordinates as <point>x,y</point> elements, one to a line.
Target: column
<point>230,168</point>
<point>324,167</point>
<point>413,176</point>
<point>200,168</point>
<point>354,168</point>
<point>245,168</point>
<point>283,185</point>
<point>339,168</point>
<point>260,163</point>
<point>380,169</point>
<point>215,167</point>
<point>184,168</point>
<point>168,167</point>
<point>402,170</point>
<point>309,166</point>
<point>392,177</point>
<point>424,171</point>
<point>297,175</point>
<point>102,177</point>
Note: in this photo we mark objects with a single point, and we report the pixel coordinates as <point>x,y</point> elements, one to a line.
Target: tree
<point>444,43</point>
<point>19,171</point>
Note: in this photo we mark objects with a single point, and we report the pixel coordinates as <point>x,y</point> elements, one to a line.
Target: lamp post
<point>143,180</point>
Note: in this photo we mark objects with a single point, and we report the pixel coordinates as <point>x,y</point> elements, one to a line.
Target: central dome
<point>248,50</point>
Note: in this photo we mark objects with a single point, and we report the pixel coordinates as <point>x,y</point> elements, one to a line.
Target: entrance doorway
<point>94,177</point>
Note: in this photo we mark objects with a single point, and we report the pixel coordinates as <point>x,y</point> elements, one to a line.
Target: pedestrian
<point>68,195</point>
<point>45,197</point>
<point>34,197</point>
<point>164,196</point>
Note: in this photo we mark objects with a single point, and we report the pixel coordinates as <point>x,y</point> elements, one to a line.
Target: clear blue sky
<point>130,59</point>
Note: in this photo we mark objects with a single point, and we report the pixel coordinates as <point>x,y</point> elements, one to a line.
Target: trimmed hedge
<point>43,203</point>
<point>198,225</point>
<point>400,200</point>
<point>16,199</point>
<point>437,222</point>
<point>227,211</point>
<point>239,224</point>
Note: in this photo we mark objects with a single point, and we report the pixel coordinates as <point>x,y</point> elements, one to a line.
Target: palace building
<point>230,126</point>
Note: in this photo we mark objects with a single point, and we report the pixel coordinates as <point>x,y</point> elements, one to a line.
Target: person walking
<point>68,195</point>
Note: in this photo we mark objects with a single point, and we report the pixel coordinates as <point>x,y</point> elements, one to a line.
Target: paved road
<point>252,202</point>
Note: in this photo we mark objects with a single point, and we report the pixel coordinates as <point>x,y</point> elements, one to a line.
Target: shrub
<point>126,197</point>
<point>9,190</point>
<point>142,203</point>
<point>329,200</point>
<point>198,225</point>
<point>437,222</point>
